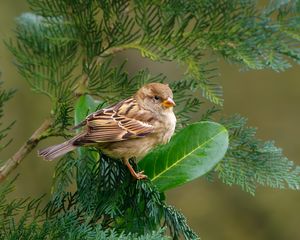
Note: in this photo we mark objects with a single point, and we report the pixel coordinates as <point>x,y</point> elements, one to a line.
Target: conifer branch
<point>24,150</point>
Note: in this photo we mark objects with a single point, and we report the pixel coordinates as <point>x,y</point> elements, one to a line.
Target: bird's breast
<point>166,127</point>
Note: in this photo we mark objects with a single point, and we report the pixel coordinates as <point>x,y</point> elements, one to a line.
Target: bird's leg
<point>138,175</point>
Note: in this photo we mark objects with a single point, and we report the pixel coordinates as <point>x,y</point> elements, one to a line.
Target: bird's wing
<point>114,124</point>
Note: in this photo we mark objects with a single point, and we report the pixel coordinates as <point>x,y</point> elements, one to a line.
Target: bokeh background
<point>270,101</point>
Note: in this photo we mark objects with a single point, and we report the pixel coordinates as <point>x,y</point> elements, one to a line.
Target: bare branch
<point>24,150</point>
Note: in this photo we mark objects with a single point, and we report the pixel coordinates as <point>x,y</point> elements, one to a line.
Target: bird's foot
<point>140,175</point>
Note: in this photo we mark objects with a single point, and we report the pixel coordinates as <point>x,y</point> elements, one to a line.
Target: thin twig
<point>24,150</point>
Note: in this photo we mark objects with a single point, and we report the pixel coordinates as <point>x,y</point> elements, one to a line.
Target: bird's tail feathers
<point>58,150</point>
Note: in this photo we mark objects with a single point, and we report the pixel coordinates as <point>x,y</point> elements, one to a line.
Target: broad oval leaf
<point>191,153</point>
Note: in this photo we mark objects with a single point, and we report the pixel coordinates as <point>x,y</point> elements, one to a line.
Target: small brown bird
<point>127,129</point>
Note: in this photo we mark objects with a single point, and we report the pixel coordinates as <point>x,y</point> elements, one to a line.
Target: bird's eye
<point>156,97</point>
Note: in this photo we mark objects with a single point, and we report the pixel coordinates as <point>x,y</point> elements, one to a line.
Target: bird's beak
<point>168,103</point>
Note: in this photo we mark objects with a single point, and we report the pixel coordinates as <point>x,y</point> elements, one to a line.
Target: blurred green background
<point>271,102</point>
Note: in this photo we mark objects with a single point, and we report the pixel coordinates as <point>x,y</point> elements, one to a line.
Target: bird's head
<point>156,97</point>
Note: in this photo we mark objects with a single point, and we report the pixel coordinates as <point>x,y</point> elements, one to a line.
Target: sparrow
<point>127,129</point>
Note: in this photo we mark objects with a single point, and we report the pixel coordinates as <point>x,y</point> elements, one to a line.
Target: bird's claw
<point>140,176</point>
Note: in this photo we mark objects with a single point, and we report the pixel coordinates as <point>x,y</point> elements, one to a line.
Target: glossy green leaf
<point>191,153</point>
<point>84,106</point>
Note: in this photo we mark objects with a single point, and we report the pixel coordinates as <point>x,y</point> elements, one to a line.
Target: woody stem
<point>24,150</point>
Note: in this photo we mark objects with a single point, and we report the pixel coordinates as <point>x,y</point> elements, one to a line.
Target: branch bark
<point>24,150</point>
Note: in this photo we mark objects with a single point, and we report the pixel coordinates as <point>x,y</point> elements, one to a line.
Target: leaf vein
<point>185,155</point>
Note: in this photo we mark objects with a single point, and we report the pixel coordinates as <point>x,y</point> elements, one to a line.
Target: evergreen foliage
<point>60,222</point>
<point>65,49</point>
<point>249,161</point>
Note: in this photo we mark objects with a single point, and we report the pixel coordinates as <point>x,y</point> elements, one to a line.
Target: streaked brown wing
<point>92,115</point>
<point>110,125</point>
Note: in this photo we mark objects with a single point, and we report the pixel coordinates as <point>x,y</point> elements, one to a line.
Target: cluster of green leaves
<point>65,49</point>
<point>114,201</point>
<point>249,162</point>
<point>86,33</point>
<point>25,219</point>
<point>64,34</point>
